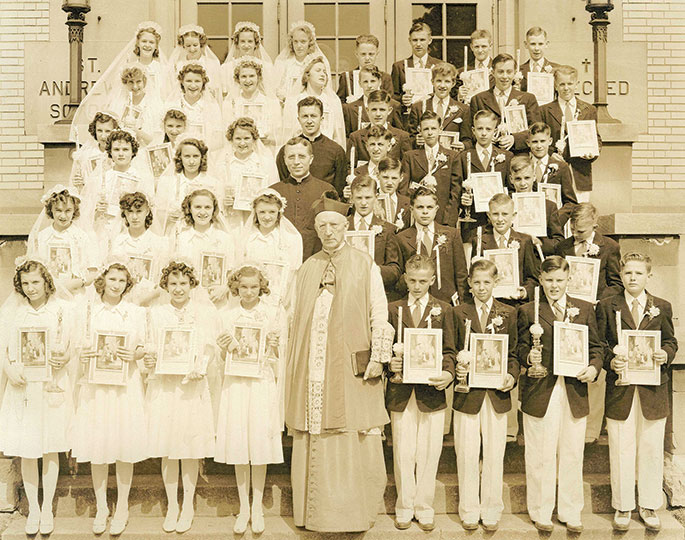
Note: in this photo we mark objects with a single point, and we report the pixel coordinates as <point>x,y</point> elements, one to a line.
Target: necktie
<point>441,109</point>
<point>416,314</point>
<point>363,226</point>
<point>538,172</point>
<point>483,317</point>
<point>485,160</point>
<point>501,101</point>
<point>425,243</point>
<point>392,210</point>
<point>568,113</point>
<point>501,243</point>
<point>635,312</point>
<point>431,160</point>
<point>536,68</point>
<point>558,312</point>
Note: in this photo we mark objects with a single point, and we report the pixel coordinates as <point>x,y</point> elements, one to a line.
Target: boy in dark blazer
<point>636,414</point>
<point>481,411</point>
<point>439,242</point>
<point>366,51</point>
<point>555,408</point>
<point>536,44</point>
<point>417,411</point>
<point>481,47</point>
<point>396,206</point>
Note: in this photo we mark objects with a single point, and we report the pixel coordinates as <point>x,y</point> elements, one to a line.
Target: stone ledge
<point>619,133</point>
<point>53,133</point>
<point>643,224</point>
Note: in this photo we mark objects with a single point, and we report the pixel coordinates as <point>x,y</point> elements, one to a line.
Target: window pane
<point>213,18</point>
<point>328,48</point>
<point>435,48</point>
<point>431,14</point>
<point>461,19</point>
<point>219,47</point>
<point>322,16</point>
<point>248,12</point>
<point>346,60</point>
<point>455,51</point>
<point>353,19</point>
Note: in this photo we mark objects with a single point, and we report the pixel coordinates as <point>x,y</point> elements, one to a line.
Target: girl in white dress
<point>142,246</point>
<point>246,43</point>
<point>316,81</point>
<point>252,101</point>
<point>179,407</point>
<point>109,425</point>
<point>250,420</point>
<point>174,126</point>
<point>246,156</point>
<point>291,61</point>
<point>57,239</point>
<point>87,157</point>
<point>203,113</point>
<point>143,48</point>
<point>37,328</point>
<point>271,240</point>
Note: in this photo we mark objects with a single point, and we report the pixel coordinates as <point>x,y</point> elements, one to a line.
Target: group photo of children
<point>254,253</point>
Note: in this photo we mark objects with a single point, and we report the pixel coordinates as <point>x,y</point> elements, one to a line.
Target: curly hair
<point>121,135</point>
<point>236,35</point>
<point>130,73</point>
<point>179,268</point>
<point>192,33</point>
<point>247,64</point>
<point>305,73</point>
<point>30,266</point>
<point>308,32</point>
<point>267,198</point>
<point>185,205</point>
<point>175,114</point>
<point>202,148</point>
<point>158,38</point>
<point>63,197</point>
<point>99,282</point>
<point>248,271</point>
<point>193,68</point>
<point>101,118</point>
<point>244,122</point>
<point>135,201</point>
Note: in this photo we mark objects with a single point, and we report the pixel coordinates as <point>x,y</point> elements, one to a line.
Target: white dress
<point>146,115</point>
<point>264,110</point>
<point>194,244</point>
<point>109,424</point>
<point>204,120</point>
<point>250,418</point>
<point>86,160</point>
<point>68,253</point>
<point>180,416</point>
<point>34,421</point>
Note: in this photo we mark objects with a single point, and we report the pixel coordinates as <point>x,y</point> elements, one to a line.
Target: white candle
<point>399,325</point>
<point>437,264</point>
<point>468,165</point>
<point>618,327</point>
<point>467,335</point>
<point>466,58</point>
<point>537,305</point>
<point>352,159</point>
<point>479,239</point>
<point>518,59</point>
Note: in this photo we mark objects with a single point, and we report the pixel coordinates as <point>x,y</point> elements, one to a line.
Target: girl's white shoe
<point>185,521</point>
<point>32,523</point>
<point>241,523</point>
<point>119,522</point>
<point>171,520</point>
<point>100,521</point>
<point>47,521</point>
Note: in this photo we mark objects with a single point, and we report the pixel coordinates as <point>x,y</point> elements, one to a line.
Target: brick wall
<point>659,155</point>
<point>21,156</point>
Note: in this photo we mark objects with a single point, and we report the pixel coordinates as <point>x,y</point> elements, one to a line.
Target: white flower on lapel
<point>414,186</point>
<point>496,322</point>
<point>453,109</point>
<point>553,167</point>
<point>513,103</point>
<point>593,250</point>
<point>429,182</point>
<point>376,230</point>
<point>399,222</point>
<point>440,240</point>
<point>548,69</point>
<point>398,349</point>
<point>499,158</point>
<point>653,311</point>
<point>518,77</point>
<point>560,146</point>
<point>393,141</point>
<point>514,244</point>
<point>435,311</point>
<point>457,120</point>
<point>441,158</point>
<point>571,312</point>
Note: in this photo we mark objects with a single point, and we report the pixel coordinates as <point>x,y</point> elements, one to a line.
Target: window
<point>219,18</point>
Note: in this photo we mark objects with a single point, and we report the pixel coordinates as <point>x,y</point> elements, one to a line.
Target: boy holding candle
<point>440,243</point>
<point>378,142</point>
<point>481,47</point>
<point>554,407</point>
<point>417,411</point>
<point>481,413</point>
<point>636,414</point>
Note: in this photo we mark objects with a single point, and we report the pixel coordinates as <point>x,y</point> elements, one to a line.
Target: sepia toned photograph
<point>485,185</point>
<point>541,85</point>
<point>507,262</point>
<point>583,277</point>
<point>489,367</point>
<point>422,354</point>
<point>531,216</point>
<point>515,119</point>
<point>476,80</point>
<point>419,81</point>
<point>582,138</point>
<point>59,262</point>
<point>213,269</point>
<point>276,273</point>
<point>34,351</point>
<point>448,139</point>
<point>159,157</point>
<point>362,240</point>
<point>177,352</point>
<point>571,352</point>
<point>552,193</point>
<point>140,267</point>
<point>108,367</point>
<point>642,368</point>
<point>245,360</point>
<point>132,117</point>
<point>246,190</point>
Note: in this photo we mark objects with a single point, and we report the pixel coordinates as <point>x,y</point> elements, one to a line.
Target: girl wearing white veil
<point>269,237</point>
<point>203,113</point>
<point>252,100</point>
<point>245,157</point>
<point>316,81</point>
<point>87,157</point>
<point>246,43</point>
<point>191,47</point>
<point>57,238</point>
<point>143,48</point>
<point>291,61</point>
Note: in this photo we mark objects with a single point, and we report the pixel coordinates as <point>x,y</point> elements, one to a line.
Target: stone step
<point>512,527</point>
<point>217,496</point>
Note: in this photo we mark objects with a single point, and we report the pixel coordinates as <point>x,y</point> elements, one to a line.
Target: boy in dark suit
<point>481,47</point>
<point>565,108</point>
<point>386,250</point>
<point>455,117</point>
<point>536,43</point>
<point>439,242</point>
<point>482,413</point>
<point>417,411</point>
<point>435,165</point>
<point>502,95</point>
<point>395,205</point>
<point>420,38</point>
<point>636,415</point>
<point>555,407</point>
<point>366,51</point>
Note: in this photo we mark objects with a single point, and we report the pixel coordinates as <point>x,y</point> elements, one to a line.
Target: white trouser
<point>416,448</point>
<point>513,414</point>
<point>558,433</point>
<point>468,429</point>
<point>630,438</point>
<point>595,396</point>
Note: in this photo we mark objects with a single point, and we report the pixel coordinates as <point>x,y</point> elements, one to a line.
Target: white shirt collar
<point>422,302</point>
<point>506,236</point>
<point>358,219</point>
<point>561,302</point>
<point>437,100</point>
<point>423,59</point>
<point>572,103</point>
<point>641,300</point>
<point>589,240</point>
<point>544,161</point>
<point>484,64</point>
<point>506,93</point>
<point>373,169</point>
<point>432,150</point>
<point>430,227</point>
<point>479,305</point>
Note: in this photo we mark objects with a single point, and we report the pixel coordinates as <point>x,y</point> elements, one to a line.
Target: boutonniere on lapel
<point>518,77</point>
<point>592,250</point>
<point>514,244</point>
<point>652,311</point>
<point>393,142</point>
<point>499,158</point>
<point>441,157</point>
<point>376,230</point>
<point>439,241</point>
<point>495,323</point>
<point>571,312</point>
<point>553,168</point>
<point>513,103</point>
<point>453,109</point>
<point>429,182</point>
<point>434,312</point>
<point>548,69</point>
<point>399,222</point>
<point>457,120</point>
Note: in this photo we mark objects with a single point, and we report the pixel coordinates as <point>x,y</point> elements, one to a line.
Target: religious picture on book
<point>176,352</point>
<point>489,367</point>
<point>642,368</point>
<point>583,277</point>
<point>361,240</point>
<point>422,354</point>
<point>244,357</point>
<point>582,138</point>
<point>571,352</point>
<point>159,157</point>
<point>213,269</point>
<point>507,262</point>
<point>34,351</point>
<point>108,367</point>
